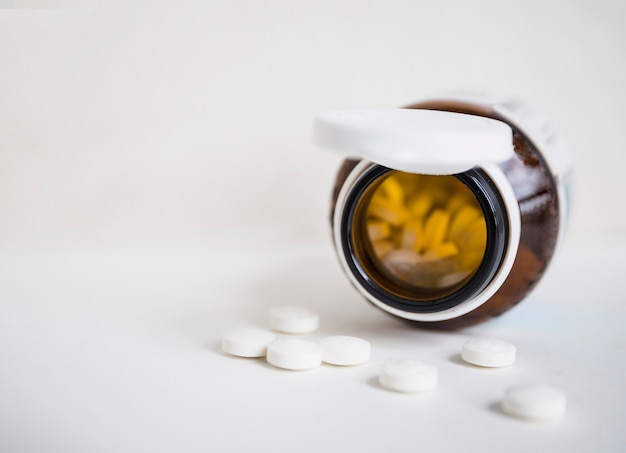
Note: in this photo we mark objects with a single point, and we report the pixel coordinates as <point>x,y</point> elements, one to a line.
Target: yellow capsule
<point>455,203</point>
<point>435,228</point>
<point>389,212</point>
<point>378,230</point>
<point>444,250</point>
<point>410,182</point>
<point>438,195</point>
<point>470,259</point>
<point>462,220</point>
<point>474,236</point>
<point>393,191</point>
<point>382,247</point>
<point>426,231</point>
<point>420,205</point>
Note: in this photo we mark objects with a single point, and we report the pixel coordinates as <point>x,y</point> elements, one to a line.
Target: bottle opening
<point>419,237</point>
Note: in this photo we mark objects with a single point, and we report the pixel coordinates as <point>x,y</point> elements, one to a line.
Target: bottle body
<point>448,251</point>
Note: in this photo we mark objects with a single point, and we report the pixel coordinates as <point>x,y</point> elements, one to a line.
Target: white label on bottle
<point>540,132</point>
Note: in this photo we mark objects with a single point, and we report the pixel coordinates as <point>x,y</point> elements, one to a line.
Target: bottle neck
<point>451,293</point>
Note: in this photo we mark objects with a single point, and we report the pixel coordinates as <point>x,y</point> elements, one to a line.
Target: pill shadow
<point>495,407</point>
<point>258,361</point>
<point>374,382</point>
<point>262,362</point>
<point>458,360</point>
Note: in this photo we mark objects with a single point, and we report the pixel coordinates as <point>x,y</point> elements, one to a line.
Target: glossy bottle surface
<point>440,230</point>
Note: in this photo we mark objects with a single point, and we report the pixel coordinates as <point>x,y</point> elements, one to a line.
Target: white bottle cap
<point>415,141</point>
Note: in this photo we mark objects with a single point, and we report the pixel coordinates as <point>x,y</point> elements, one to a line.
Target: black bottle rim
<point>492,205</point>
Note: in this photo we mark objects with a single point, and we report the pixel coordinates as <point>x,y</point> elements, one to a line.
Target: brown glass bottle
<point>537,178</point>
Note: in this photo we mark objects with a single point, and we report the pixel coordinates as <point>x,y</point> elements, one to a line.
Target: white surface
<point>488,352</point>
<point>408,376</point>
<point>415,141</point>
<point>535,402</point>
<point>117,350</point>
<point>344,350</point>
<point>294,354</point>
<point>247,342</point>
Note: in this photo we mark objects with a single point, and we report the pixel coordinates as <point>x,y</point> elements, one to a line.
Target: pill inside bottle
<point>419,236</point>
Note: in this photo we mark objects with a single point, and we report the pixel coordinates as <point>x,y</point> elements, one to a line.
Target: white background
<point>163,119</point>
<point>158,186</point>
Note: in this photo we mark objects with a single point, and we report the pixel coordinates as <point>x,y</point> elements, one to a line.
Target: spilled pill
<point>408,376</point>
<point>293,319</point>
<point>538,402</point>
<point>247,342</point>
<point>345,350</point>
<point>294,354</point>
<point>488,352</point>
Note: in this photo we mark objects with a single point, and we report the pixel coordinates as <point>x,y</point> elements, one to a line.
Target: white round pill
<point>247,342</point>
<point>488,352</point>
<point>345,350</point>
<point>294,354</point>
<point>408,376</point>
<point>538,402</point>
<point>293,319</point>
